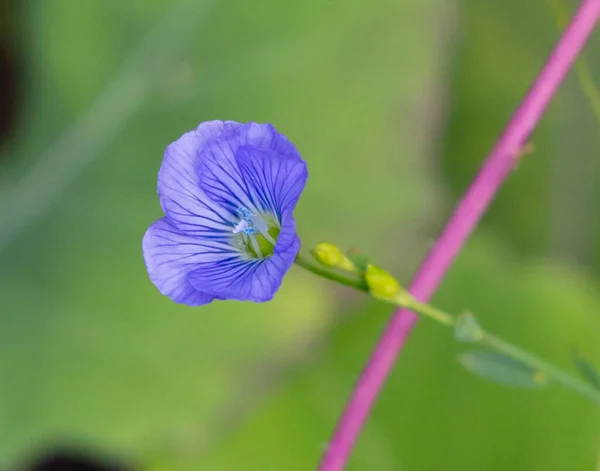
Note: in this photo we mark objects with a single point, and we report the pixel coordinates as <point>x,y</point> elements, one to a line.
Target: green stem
<point>353,282</point>
<point>431,312</point>
<point>491,341</point>
<point>516,353</point>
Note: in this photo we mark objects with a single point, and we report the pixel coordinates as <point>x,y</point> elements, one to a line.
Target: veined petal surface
<point>222,186</point>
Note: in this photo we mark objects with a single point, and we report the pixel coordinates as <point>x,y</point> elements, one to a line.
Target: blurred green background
<point>394,104</point>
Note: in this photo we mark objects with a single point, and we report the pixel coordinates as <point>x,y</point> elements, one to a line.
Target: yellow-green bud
<point>381,283</point>
<point>328,254</point>
<point>331,256</point>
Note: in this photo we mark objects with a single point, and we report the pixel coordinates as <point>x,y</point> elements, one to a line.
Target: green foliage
<point>502,369</point>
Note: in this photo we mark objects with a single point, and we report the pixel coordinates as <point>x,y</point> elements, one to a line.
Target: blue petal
<point>246,279</point>
<point>275,181</point>
<point>184,203</point>
<point>220,177</point>
<point>252,166</point>
<point>170,256</point>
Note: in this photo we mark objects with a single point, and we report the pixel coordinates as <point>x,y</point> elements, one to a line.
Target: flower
<point>228,191</point>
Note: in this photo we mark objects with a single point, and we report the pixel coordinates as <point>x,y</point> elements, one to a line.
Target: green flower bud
<point>382,284</point>
<point>331,256</point>
<point>328,254</point>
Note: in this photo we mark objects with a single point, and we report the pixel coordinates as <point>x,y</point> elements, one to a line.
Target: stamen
<point>256,246</point>
<point>241,226</point>
<point>254,233</point>
<point>267,236</point>
<point>247,222</point>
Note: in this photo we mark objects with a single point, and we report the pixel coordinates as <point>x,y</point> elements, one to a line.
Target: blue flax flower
<point>228,191</point>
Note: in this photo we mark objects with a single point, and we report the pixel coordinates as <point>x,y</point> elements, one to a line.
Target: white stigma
<point>249,227</point>
<point>242,226</point>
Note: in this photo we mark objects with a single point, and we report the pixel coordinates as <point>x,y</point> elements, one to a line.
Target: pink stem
<point>498,165</point>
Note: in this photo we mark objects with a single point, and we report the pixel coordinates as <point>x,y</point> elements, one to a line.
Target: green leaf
<point>467,328</point>
<point>587,370</point>
<point>358,258</point>
<point>502,369</point>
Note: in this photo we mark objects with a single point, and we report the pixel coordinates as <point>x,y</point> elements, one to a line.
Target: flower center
<point>257,235</point>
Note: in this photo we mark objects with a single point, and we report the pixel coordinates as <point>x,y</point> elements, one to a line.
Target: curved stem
<point>353,282</point>
<point>404,300</point>
<point>431,312</point>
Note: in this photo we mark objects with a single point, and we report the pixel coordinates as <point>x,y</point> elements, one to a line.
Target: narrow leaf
<point>502,369</point>
<point>587,370</point>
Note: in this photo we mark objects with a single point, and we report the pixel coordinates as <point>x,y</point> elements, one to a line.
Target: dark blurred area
<point>394,104</point>
<point>9,74</point>
<point>70,461</point>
